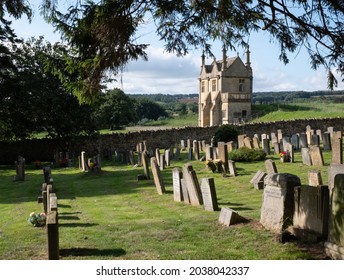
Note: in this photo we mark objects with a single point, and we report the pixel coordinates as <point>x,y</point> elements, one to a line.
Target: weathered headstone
<point>131,157</point>
<point>230,217</point>
<point>295,141</point>
<point>162,162</point>
<point>145,164</point>
<point>337,150</point>
<point>157,177</point>
<point>223,155</point>
<point>310,219</point>
<point>20,169</point>
<point>327,141</point>
<point>209,194</point>
<point>315,140</point>
<point>258,180</point>
<point>47,175</point>
<point>190,154</point>
<point>192,185</point>
<point>209,152</point>
<point>279,135</point>
<point>277,148</point>
<point>334,247</point>
<point>241,141</point>
<point>248,142</point>
<point>316,156</point>
<point>306,158</point>
<point>270,166</point>
<point>157,155</point>
<point>232,168</point>
<point>266,146</point>
<point>186,197</point>
<point>288,147</point>
<point>196,149</point>
<point>303,140</point>
<point>230,146</point>
<point>168,157</point>
<point>278,201</point>
<point>53,235</point>
<point>256,143</point>
<point>177,176</point>
<point>314,178</point>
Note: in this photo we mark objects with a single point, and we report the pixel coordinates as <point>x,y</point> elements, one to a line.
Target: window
<point>241,85</point>
<point>203,86</point>
<point>213,85</point>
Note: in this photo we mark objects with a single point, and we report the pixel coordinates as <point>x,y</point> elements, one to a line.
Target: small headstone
<point>314,178</point>
<point>209,194</point>
<point>232,168</point>
<point>278,201</point>
<point>270,166</point>
<point>256,143</point>
<point>229,217</point>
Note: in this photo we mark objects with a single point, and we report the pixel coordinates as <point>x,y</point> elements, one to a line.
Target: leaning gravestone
<point>192,185</point>
<point>223,155</point>
<point>177,175</point>
<point>230,217</point>
<point>145,165</point>
<point>278,201</point>
<point>158,181</point>
<point>316,156</point>
<point>314,178</point>
<point>209,194</point>
<point>334,247</point>
<point>232,168</point>
<point>258,180</point>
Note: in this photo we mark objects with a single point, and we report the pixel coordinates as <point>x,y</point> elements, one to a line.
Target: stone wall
<point>47,150</point>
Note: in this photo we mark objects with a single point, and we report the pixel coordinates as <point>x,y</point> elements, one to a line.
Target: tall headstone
<point>192,185</point>
<point>157,177</point>
<point>303,140</point>
<point>168,157</point>
<point>337,150</point>
<point>162,162</point>
<point>223,155</point>
<point>209,152</point>
<point>209,194</point>
<point>266,146</point>
<point>190,154</point>
<point>177,176</point>
<point>196,149</point>
<point>145,164</point>
<point>157,155</point>
<point>295,141</point>
<point>327,141</point>
<point>334,247</point>
<point>278,201</point>
<point>20,169</point>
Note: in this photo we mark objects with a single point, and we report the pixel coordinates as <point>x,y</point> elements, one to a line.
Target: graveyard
<point>136,208</point>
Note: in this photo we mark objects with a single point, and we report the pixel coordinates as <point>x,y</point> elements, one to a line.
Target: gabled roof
<point>218,65</point>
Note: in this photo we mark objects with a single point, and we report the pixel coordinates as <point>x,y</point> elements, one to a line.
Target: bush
<point>247,155</point>
<point>226,133</point>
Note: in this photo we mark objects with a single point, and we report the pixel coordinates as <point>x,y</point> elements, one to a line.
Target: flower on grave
<point>283,154</point>
<point>37,220</point>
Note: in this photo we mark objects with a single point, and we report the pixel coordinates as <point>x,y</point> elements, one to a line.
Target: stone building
<point>225,91</point>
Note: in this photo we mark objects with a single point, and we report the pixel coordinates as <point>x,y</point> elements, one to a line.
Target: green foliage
<point>226,133</point>
<point>245,154</point>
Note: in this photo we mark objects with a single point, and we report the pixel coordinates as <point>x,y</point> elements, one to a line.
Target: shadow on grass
<point>235,206</point>
<point>82,252</point>
<point>78,224</point>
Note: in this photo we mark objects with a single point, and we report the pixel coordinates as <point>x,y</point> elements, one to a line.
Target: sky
<point>168,74</point>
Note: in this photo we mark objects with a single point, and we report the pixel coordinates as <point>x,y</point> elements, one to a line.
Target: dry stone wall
<point>48,150</point>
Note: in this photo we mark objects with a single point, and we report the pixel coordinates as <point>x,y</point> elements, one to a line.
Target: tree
<point>115,110</point>
<point>91,27</point>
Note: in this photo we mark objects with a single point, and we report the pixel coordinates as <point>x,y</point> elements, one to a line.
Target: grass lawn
<point>113,216</point>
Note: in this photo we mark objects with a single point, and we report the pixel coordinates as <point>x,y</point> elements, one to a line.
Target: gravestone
<point>47,175</point>
<point>209,194</point>
<point>230,146</point>
<point>248,142</point>
<point>266,146</point>
<point>168,157</point>
<point>295,141</point>
<point>190,156</point>
<point>131,158</point>
<point>223,155</point>
<point>314,178</point>
<point>241,140</point>
<point>209,152</point>
<point>20,169</point>
<point>310,219</point>
<point>306,158</point>
<point>192,185</point>
<point>337,150</point>
<point>278,201</point>
<point>270,166</point>
<point>315,140</point>
<point>316,156</point>
<point>177,155</point>
<point>303,141</point>
<point>162,162</point>
<point>157,177</point>
<point>157,155</point>
<point>256,143</point>
<point>320,134</point>
<point>145,165</point>
<point>279,135</point>
<point>327,141</point>
<point>258,180</point>
<point>288,147</point>
<point>196,149</point>
<point>185,193</point>
<point>53,235</point>
<point>182,144</point>
<point>232,168</point>
<point>334,247</point>
<point>177,175</point>
<point>277,149</point>
<point>229,217</point>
